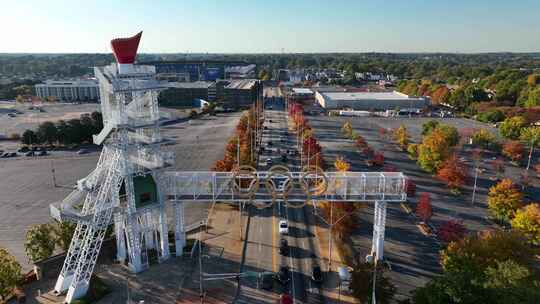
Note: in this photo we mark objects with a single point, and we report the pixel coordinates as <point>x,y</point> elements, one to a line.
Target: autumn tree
<point>360,142</point>
<point>347,129</point>
<point>511,127</point>
<point>514,150</point>
<point>488,267</point>
<point>504,199</point>
<point>10,273</point>
<point>435,148</point>
<point>451,231</point>
<point>39,242</point>
<point>453,173</point>
<point>527,221</point>
<point>412,149</point>
<point>423,209</point>
<point>402,137</point>
<point>341,164</point>
<point>484,139</point>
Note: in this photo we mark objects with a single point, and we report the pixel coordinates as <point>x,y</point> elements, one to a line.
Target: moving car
<point>283,276</point>
<point>316,274</point>
<point>283,227</point>
<point>285,299</point>
<point>283,247</point>
<point>268,161</point>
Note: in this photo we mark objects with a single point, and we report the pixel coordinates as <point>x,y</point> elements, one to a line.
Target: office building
<point>68,90</point>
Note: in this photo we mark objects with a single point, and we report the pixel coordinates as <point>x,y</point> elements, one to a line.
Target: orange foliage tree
<point>504,199</point>
<point>514,150</point>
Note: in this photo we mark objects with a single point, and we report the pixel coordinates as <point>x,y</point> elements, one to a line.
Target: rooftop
<point>366,95</point>
<point>244,84</point>
<point>78,82</point>
<point>190,85</point>
<point>302,91</point>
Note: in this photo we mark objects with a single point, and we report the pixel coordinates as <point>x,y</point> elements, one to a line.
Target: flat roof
<point>190,85</point>
<point>244,84</point>
<point>367,96</point>
<point>77,82</point>
<point>302,91</point>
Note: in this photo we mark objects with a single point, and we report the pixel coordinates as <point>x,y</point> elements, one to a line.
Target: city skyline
<point>276,27</point>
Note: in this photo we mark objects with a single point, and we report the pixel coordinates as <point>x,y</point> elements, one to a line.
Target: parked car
<point>82,151</point>
<point>269,162</point>
<point>283,247</point>
<point>4,155</point>
<point>316,274</point>
<point>283,276</point>
<point>284,158</point>
<point>283,227</point>
<point>41,153</point>
<point>267,281</point>
<point>269,143</point>
<point>29,153</point>
<point>13,154</point>
<point>23,149</point>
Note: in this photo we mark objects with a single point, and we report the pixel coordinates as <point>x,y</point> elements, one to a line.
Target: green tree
<point>362,284</point>
<point>47,133</point>
<point>10,273</point>
<point>533,99</point>
<point>63,233</point>
<point>429,126</point>
<point>39,242</point>
<point>450,133</point>
<point>512,126</point>
<point>29,138</point>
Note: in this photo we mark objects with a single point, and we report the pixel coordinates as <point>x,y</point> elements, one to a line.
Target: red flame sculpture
<point>125,49</point>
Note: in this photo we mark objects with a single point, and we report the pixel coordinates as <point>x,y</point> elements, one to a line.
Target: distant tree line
<point>73,131</point>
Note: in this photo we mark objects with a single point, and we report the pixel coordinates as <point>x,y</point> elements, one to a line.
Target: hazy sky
<point>266,26</point>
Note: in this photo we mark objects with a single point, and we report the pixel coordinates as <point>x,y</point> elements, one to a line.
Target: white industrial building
<point>369,101</point>
<point>69,90</point>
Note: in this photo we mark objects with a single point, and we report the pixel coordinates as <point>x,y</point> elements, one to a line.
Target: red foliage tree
<point>360,142</point>
<point>378,159</point>
<point>453,173</point>
<point>451,230</point>
<point>410,188</point>
<point>423,208</point>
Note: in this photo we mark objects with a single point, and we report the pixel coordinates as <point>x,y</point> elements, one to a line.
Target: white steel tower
<point>126,185</point>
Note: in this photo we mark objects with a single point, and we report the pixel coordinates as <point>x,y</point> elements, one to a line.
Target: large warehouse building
<point>369,101</point>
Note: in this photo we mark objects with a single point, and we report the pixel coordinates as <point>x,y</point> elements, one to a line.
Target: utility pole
<point>53,174</point>
<point>238,151</point>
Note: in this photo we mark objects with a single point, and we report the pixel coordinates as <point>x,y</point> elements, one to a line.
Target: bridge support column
<point>179,232</point>
<point>164,234</point>
<point>379,221</point>
<point>119,228</point>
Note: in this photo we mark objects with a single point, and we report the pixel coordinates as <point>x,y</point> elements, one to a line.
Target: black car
<point>283,276</point>
<point>29,153</point>
<point>269,143</point>
<point>267,281</point>
<point>283,247</point>
<point>316,274</point>
<point>283,158</point>
<point>41,153</point>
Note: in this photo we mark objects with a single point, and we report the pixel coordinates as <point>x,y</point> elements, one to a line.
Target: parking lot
<point>413,256</point>
<point>26,185</point>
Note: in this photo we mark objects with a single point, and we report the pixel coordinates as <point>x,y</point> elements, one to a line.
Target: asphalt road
<point>262,252</point>
<point>26,185</point>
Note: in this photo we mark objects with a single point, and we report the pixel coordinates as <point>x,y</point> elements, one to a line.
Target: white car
<point>283,227</point>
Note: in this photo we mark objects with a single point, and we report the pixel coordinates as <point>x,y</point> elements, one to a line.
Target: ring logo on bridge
<point>245,182</point>
<point>313,181</point>
<point>279,183</point>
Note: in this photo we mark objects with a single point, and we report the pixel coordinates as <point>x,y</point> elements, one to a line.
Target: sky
<point>271,26</point>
